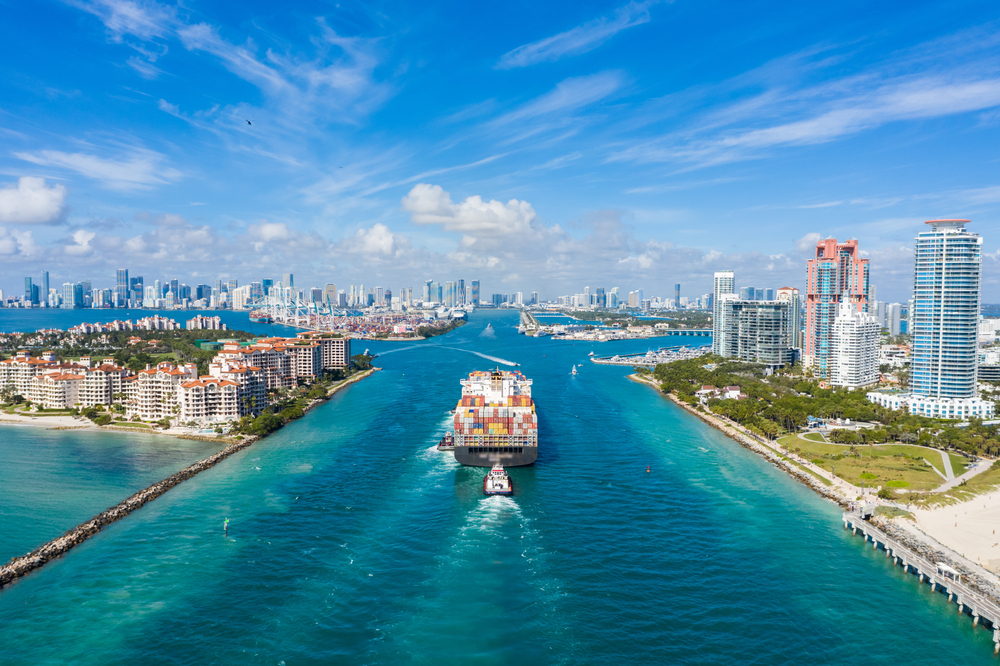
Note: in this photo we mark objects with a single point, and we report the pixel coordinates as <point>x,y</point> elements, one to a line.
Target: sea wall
<point>19,566</point>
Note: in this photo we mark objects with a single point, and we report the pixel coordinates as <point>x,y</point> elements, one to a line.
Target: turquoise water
<point>352,540</point>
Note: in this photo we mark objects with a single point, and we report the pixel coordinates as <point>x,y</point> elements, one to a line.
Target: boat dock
<point>651,359</point>
<point>937,575</point>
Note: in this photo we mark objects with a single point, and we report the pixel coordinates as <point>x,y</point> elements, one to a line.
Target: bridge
<point>935,574</point>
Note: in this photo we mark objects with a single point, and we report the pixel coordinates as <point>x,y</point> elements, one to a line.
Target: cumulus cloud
<point>378,241</point>
<point>430,204</point>
<point>31,201</point>
<point>81,239</point>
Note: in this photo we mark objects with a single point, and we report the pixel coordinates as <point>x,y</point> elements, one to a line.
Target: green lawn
<point>814,436</point>
<point>900,465</point>
<point>958,463</point>
<point>979,484</point>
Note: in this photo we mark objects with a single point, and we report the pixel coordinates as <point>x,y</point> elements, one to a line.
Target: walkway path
<point>980,467</point>
<point>947,466</point>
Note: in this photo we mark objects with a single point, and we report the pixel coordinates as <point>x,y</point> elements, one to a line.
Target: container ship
<point>495,421</point>
<point>260,317</point>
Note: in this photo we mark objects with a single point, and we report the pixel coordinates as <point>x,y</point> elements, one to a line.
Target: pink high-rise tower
<point>837,273</point>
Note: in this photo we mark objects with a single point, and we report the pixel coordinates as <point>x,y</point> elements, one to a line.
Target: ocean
<point>352,540</point>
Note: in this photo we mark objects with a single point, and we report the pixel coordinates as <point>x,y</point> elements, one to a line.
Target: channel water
<point>352,540</point>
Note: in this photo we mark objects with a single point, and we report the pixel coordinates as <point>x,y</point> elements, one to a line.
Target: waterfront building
<point>755,331</point>
<point>724,284</point>
<point>201,322</point>
<point>836,273</point>
<point>208,400</point>
<point>475,292</point>
<point>151,394</point>
<point>791,296</point>
<point>943,325</point>
<point>43,289</point>
<point>855,350</point>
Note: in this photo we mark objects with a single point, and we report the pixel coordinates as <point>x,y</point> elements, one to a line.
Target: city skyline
<point>638,142</point>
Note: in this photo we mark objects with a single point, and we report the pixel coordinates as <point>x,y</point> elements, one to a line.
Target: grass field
<point>814,436</point>
<point>979,484</point>
<point>899,466</point>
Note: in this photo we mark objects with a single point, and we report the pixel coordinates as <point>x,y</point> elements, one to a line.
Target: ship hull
<point>484,456</point>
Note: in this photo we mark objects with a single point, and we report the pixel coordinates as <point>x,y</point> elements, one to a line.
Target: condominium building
<point>836,273</point>
<point>791,296</point>
<point>335,351</point>
<point>755,331</point>
<point>208,400</point>
<point>943,324</point>
<point>151,394</point>
<point>855,351</point>
<point>725,282</point>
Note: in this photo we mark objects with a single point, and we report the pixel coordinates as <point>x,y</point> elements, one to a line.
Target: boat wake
<point>488,333</point>
<point>495,359</point>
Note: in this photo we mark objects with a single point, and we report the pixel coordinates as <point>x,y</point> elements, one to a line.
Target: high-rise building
<point>460,291</point>
<point>854,354</point>
<point>287,280</point>
<point>894,318</point>
<point>450,294</point>
<point>534,297</point>
<point>943,325</point>
<point>755,331</point>
<point>836,273</point>
<point>266,284</point>
<point>677,293</point>
<point>768,294</point>
<point>30,289</point>
<point>121,288</point>
<point>43,289</point>
<point>791,296</point>
<point>475,292</point>
<point>330,294</point>
<point>724,283</point>
<point>747,293</point>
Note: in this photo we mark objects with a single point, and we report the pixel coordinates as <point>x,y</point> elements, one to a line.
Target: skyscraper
<point>944,323</point>
<point>121,288</point>
<point>461,292</point>
<point>724,284</point>
<point>475,292</point>
<point>854,353</point>
<point>677,295</point>
<point>894,318</point>
<point>29,290</point>
<point>287,280</point>
<point>836,273</point>
<point>43,289</point>
<point>791,296</point>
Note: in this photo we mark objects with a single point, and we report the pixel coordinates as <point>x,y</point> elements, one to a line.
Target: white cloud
<point>81,245</point>
<point>579,40</point>
<point>31,202</point>
<point>568,95</point>
<point>430,204</point>
<point>140,169</point>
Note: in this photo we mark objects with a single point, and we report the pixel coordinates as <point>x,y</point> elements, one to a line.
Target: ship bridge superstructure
<point>496,385</point>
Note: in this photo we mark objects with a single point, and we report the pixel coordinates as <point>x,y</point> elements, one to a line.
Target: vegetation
<point>674,319</point>
<point>783,402</point>
<point>428,331</point>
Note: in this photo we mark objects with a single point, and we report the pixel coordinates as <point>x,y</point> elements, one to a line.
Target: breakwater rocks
<point>970,576</point>
<point>19,566</point>
<point>778,461</point>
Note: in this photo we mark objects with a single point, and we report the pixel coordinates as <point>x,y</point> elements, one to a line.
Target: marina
<point>653,358</point>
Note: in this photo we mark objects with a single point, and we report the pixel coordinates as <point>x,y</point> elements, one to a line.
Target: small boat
<point>498,482</point>
<point>447,443</point>
<point>591,354</point>
<point>574,370</point>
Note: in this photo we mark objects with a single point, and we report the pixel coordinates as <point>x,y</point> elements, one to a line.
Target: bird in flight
<point>249,123</point>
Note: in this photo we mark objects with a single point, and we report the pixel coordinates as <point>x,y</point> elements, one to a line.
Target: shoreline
<point>37,558</point>
<point>930,532</point>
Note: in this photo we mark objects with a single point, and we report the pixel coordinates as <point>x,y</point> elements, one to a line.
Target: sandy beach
<point>81,423</point>
<point>969,528</point>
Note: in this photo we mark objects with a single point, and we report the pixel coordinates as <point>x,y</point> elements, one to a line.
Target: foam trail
<point>495,359</point>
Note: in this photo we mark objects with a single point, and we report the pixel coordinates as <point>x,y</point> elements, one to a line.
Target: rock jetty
<point>20,566</point>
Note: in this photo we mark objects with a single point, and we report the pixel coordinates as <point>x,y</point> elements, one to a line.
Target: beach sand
<point>969,528</point>
<point>47,421</point>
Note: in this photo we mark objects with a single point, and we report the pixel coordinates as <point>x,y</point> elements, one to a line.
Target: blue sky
<point>535,146</point>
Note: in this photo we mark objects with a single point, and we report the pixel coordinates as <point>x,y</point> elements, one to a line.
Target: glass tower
<point>944,317</point>
<point>724,284</point>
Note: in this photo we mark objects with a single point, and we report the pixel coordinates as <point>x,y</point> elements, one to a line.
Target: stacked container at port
<point>510,421</point>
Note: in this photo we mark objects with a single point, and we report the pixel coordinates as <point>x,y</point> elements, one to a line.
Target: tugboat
<point>447,443</point>
<point>498,482</point>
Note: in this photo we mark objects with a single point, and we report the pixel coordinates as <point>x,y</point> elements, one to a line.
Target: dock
<point>651,359</point>
<point>938,576</point>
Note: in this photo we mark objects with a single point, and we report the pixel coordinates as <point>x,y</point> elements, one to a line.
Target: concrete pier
<point>979,607</point>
